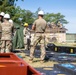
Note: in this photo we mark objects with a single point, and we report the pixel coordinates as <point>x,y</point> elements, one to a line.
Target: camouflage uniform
<point>0,30</point>
<point>59,24</point>
<point>27,36</point>
<point>6,38</point>
<point>40,26</point>
<point>0,33</point>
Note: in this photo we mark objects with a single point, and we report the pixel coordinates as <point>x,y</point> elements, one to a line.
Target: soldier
<point>49,24</point>
<point>1,16</point>
<point>59,24</point>
<point>14,31</point>
<point>53,25</point>
<point>1,20</point>
<point>11,21</point>
<point>27,36</point>
<point>39,27</point>
<point>6,38</point>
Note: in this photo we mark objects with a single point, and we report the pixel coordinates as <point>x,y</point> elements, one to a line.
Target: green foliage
<point>19,15</point>
<point>27,17</point>
<point>35,15</point>
<point>22,16</point>
<point>51,17</point>
<point>5,5</point>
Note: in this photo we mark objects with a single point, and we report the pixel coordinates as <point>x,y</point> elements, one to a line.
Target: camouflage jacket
<point>7,31</point>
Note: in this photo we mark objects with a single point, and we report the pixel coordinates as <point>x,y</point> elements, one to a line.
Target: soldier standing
<point>11,21</point>
<point>6,38</point>
<point>27,36</point>
<point>59,24</point>
<point>1,16</point>
<point>1,20</point>
<point>39,27</point>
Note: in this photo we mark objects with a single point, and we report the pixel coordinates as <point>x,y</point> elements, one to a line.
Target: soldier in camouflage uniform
<point>39,27</point>
<point>1,16</point>
<point>27,36</point>
<point>1,21</point>
<point>6,38</point>
<point>59,24</point>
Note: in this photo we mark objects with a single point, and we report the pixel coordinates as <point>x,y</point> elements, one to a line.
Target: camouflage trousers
<point>27,42</point>
<point>6,46</point>
<point>38,38</point>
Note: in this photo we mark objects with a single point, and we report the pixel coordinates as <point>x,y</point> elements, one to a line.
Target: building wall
<point>53,37</point>
<point>61,37</point>
<point>71,38</point>
<point>53,34</point>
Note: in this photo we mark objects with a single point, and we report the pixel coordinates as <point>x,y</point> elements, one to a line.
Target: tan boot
<point>2,51</point>
<point>31,60</point>
<point>7,51</point>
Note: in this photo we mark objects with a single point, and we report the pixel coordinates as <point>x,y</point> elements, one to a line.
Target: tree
<point>8,6</point>
<point>28,17</point>
<point>21,15</point>
<point>35,15</point>
<point>5,5</point>
<point>51,17</point>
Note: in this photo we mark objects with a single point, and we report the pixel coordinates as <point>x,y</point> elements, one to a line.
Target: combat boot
<point>2,51</point>
<point>42,61</point>
<point>7,51</point>
<point>31,60</point>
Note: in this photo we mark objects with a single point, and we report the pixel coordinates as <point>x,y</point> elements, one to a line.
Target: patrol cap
<point>2,14</point>
<point>26,24</point>
<point>41,13</point>
<point>11,21</point>
<point>7,16</point>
